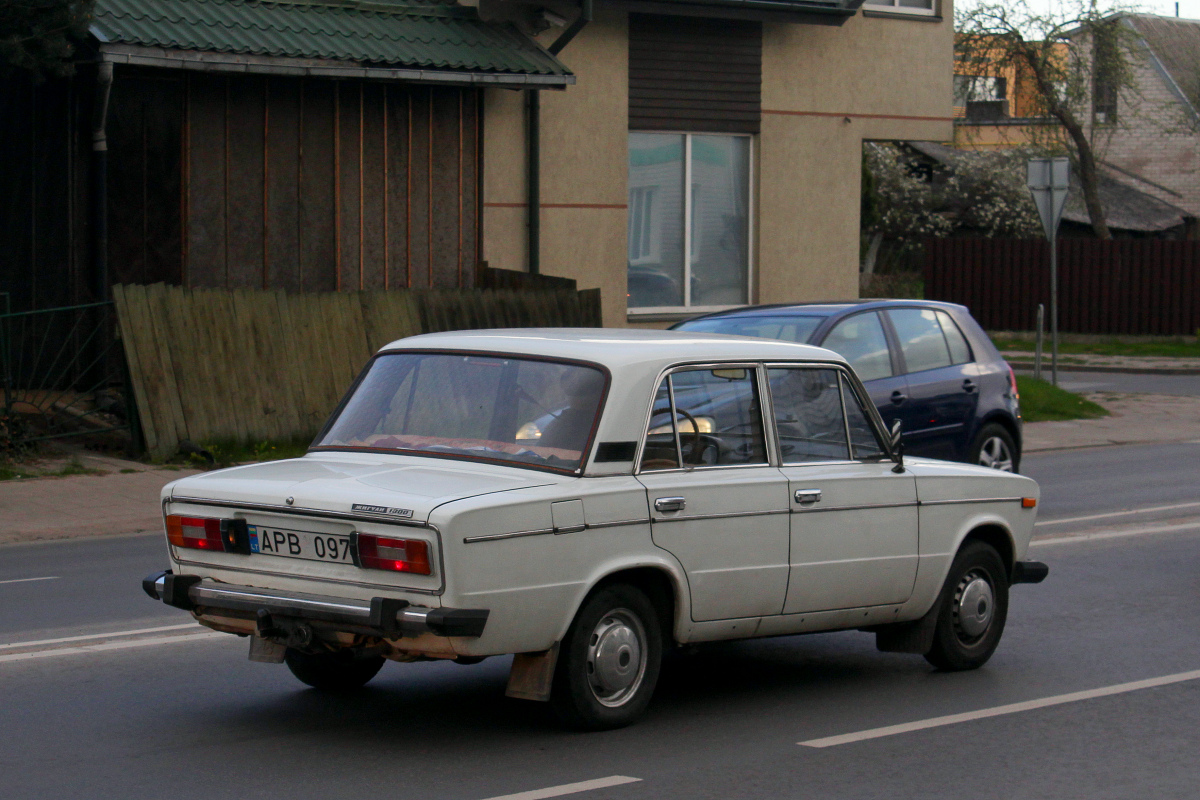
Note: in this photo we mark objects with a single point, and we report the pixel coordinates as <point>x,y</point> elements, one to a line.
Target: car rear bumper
<point>386,617</point>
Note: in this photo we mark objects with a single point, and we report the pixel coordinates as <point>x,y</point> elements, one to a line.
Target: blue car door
<point>942,382</point>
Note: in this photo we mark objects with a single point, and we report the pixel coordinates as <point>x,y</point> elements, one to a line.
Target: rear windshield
<point>789,329</point>
<point>514,410</point>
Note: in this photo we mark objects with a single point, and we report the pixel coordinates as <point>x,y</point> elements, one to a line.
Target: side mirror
<point>897,448</point>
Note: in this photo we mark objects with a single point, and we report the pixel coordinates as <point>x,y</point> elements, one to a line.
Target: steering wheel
<point>696,454</point>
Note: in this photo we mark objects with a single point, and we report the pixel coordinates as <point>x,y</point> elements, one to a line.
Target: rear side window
<point>861,341</point>
<point>960,352</point>
<point>921,338</point>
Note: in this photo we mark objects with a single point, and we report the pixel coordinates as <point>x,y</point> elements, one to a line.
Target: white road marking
<point>1012,708</point>
<point>1117,534</point>
<point>97,648</point>
<point>99,636</point>
<point>30,580</point>
<point>1111,514</point>
<point>569,788</point>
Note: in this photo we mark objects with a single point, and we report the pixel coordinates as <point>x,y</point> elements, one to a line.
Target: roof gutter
<point>533,145</point>
<point>201,61</point>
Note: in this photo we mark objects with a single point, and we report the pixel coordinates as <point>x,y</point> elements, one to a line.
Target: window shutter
<point>693,74</point>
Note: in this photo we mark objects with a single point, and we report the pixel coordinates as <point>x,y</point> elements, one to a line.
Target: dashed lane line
<point>105,646</point>
<point>1012,708</point>
<point>1111,514</point>
<point>114,634</point>
<point>569,788</point>
<point>1121,533</point>
<point>30,580</point>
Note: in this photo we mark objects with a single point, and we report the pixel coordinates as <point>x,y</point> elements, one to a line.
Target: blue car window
<point>861,340</point>
<point>960,352</point>
<point>921,338</point>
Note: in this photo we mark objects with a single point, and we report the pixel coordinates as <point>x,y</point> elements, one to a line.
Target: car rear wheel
<point>608,663</point>
<point>994,448</point>
<point>340,671</point>
<point>973,608</point>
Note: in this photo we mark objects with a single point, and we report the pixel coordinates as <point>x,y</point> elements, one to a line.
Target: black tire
<point>609,661</point>
<point>340,671</point>
<point>994,447</point>
<point>971,614</point>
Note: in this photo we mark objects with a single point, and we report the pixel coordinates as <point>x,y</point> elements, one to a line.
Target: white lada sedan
<point>586,499</point>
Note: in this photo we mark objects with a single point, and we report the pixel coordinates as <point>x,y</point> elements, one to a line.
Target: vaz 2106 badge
<point>403,513</point>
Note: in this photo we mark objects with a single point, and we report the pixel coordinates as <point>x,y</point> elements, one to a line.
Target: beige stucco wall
<point>584,167</point>
<point>825,90</point>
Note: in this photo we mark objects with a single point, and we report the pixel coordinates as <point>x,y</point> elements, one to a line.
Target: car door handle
<point>968,386</point>
<point>899,397</point>
<point>669,504</point>
<point>805,496</point>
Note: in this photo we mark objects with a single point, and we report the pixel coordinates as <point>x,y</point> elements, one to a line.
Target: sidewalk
<point>1133,419</point>
<point>1087,362</point>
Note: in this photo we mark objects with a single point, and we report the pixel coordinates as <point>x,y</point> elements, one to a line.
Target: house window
<point>918,7</point>
<point>689,249</point>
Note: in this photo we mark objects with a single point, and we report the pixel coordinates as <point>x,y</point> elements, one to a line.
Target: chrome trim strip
<point>731,515</point>
<point>301,512</point>
<point>490,537</point>
<point>973,500</point>
<point>338,581</point>
<point>864,507</point>
<point>487,537</point>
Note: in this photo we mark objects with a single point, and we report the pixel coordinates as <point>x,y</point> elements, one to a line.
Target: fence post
<point>6,365</point>
<point>1037,352</point>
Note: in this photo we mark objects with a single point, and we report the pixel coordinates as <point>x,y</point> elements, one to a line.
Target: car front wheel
<point>339,671</point>
<point>608,662</point>
<point>994,448</point>
<point>973,607</point>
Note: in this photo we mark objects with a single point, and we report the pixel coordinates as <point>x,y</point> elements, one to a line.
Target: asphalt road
<point>193,716</point>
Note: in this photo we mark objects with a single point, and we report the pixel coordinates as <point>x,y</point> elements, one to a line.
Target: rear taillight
<point>202,533</point>
<point>196,533</point>
<point>397,555</point>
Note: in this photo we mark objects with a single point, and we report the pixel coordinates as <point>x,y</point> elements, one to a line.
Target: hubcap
<point>974,605</point>
<point>995,454</point>
<point>616,660</point>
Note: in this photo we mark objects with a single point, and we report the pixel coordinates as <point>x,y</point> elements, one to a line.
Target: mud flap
<point>909,637</point>
<point>266,651</point>
<point>532,675</point>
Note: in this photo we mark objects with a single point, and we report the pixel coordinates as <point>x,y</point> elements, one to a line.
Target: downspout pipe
<point>104,81</point>
<point>533,154</point>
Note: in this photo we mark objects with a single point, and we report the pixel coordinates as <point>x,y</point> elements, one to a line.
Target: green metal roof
<point>424,34</point>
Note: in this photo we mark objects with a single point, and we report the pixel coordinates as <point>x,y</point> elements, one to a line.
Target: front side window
<point>689,220</point>
<point>514,410</point>
<point>861,341</point>
<point>705,418</point>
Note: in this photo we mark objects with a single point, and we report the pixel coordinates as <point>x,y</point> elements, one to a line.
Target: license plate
<point>300,544</point>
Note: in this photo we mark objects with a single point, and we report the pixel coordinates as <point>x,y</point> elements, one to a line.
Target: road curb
<point>1029,365</point>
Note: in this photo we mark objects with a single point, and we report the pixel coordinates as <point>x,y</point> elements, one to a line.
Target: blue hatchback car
<point>925,363</point>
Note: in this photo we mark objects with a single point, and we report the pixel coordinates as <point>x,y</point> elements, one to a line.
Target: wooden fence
<point>1144,286</point>
<point>252,365</point>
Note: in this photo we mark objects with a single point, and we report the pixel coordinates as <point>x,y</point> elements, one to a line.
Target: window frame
<point>766,410</point>
<point>688,191</point>
<point>894,8</point>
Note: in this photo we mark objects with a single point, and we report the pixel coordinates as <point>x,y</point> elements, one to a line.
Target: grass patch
<point>127,471</point>
<point>1107,347</point>
<point>73,467</point>
<point>1042,401</point>
<point>10,474</point>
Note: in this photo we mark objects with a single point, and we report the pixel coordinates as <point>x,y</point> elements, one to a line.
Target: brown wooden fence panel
<point>1131,286</point>
<point>254,364</point>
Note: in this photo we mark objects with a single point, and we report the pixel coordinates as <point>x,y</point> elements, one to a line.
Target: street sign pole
<point>1048,180</point>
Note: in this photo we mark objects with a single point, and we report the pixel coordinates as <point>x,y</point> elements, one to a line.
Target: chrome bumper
<point>388,617</point>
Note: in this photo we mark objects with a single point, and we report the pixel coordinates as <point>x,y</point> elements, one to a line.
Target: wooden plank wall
<point>253,364</point>
<point>1126,286</point>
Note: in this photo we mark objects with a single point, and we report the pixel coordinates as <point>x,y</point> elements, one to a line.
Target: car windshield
<point>515,410</point>
<point>787,328</point>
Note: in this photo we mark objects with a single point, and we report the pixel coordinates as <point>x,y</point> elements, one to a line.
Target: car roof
<point>618,347</point>
<point>824,309</point>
